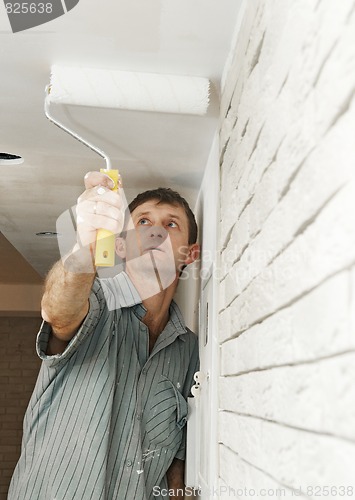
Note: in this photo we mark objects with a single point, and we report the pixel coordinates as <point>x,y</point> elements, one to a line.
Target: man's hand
<point>98,208</point>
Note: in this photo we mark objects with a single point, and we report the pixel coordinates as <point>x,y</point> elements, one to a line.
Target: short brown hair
<point>170,197</point>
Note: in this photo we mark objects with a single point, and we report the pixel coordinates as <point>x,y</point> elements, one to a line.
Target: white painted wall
<point>207,412</point>
<point>287,253</point>
<point>198,296</point>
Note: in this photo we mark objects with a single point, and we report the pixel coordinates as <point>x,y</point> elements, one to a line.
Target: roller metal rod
<point>71,132</point>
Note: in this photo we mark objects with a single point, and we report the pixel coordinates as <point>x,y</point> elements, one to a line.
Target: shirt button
<point>144,371</point>
<point>138,417</point>
<point>129,463</point>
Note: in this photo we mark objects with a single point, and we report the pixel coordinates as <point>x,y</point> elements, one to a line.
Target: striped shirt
<point>107,418</point>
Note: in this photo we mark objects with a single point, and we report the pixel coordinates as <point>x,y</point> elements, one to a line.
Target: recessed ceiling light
<point>47,234</point>
<point>9,159</point>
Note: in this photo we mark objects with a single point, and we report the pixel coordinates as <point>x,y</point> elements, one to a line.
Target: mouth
<point>150,249</point>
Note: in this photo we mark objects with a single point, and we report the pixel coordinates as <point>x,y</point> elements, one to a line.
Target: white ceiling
<point>183,37</point>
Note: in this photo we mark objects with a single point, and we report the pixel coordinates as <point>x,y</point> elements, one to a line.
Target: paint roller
<point>123,90</point>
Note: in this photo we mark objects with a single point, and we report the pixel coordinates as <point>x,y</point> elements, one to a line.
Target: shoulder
<point>191,337</point>
<point>179,322</point>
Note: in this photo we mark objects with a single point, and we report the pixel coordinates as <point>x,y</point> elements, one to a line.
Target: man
<point>107,417</point>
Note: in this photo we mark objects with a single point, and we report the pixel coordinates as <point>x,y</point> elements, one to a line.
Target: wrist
<point>80,260</point>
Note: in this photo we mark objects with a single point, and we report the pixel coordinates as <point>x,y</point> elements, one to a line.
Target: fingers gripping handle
<point>105,240</point>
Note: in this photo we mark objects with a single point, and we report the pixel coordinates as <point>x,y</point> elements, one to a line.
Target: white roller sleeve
<point>126,90</point>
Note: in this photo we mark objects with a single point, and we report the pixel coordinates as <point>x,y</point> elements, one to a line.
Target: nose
<point>157,232</point>
<point>154,234</point>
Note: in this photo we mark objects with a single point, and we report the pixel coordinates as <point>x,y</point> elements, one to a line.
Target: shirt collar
<point>177,319</point>
<point>130,294</point>
<point>120,291</point>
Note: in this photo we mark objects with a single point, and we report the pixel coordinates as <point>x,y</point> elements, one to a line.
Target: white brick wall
<point>287,252</point>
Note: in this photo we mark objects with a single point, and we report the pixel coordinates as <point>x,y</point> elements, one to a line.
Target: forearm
<point>65,299</point>
<point>175,478</point>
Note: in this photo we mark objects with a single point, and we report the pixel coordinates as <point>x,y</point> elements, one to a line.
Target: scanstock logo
<point>25,15</point>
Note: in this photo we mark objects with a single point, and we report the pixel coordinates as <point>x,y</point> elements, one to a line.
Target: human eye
<point>172,223</point>
<point>143,221</point>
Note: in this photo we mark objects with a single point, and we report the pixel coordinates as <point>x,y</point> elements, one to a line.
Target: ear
<point>193,254</point>
<point>120,246</point>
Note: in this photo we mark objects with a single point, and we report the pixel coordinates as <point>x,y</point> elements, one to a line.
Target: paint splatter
<point>148,455</point>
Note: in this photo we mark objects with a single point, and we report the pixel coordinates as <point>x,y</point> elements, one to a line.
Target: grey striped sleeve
<point>96,307</point>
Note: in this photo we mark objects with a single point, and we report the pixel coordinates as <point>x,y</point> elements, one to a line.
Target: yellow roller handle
<point>105,240</point>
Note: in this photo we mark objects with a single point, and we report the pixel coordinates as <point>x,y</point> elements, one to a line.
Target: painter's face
<point>157,240</point>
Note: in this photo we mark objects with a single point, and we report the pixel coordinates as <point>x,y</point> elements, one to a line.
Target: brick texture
<point>19,367</point>
<point>287,251</point>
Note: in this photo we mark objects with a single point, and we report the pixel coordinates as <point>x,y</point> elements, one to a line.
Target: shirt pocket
<point>167,416</point>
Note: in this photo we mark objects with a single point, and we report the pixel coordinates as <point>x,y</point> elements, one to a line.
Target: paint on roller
<point>129,90</point>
